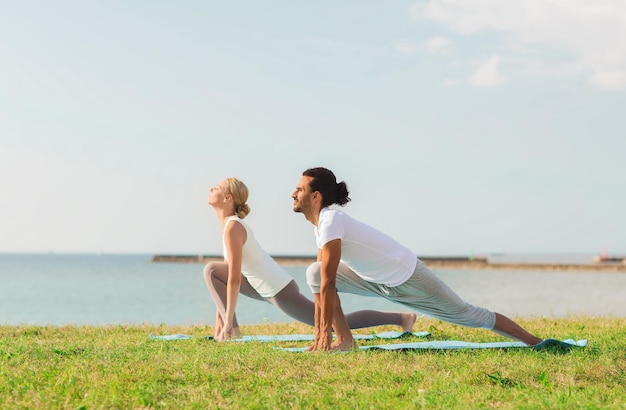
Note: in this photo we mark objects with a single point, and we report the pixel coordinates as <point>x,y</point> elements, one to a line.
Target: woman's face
<point>218,193</point>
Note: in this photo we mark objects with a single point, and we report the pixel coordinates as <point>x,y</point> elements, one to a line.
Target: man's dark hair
<point>325,182</point>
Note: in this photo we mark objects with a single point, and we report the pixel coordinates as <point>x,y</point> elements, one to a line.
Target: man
<point>356,258</point>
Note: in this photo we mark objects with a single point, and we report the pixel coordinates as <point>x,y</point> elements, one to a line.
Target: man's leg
<point>506,327</point>
<point>350,282</point>
<point>428,294</point>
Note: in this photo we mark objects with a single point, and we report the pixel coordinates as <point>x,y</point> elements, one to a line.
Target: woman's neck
<point>224,214</point>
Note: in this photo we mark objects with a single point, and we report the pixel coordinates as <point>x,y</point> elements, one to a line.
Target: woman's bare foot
<point>408,320</point>
<point>219,324</point>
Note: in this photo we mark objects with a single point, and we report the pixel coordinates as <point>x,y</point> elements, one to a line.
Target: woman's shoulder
<point>236,225</point>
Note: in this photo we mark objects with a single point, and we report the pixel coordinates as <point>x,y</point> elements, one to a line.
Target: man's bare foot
<point>236,333</point>
<point>319,346</point>
<point>408,320</point>
<point>344,345</point>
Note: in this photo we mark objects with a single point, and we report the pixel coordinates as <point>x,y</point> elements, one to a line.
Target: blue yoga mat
<point>297,337</point>
<point>172,337</point>
<point>453,344</point>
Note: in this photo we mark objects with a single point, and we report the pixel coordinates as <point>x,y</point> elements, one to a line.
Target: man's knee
<point>314,276</point>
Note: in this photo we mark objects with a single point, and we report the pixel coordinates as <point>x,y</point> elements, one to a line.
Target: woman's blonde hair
<point>239,191</point>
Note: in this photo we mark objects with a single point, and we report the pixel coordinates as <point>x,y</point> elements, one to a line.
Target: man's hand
<point>322,343</point>
<point>345,340</point>
<point>323,338</point>
<point>328,313</point>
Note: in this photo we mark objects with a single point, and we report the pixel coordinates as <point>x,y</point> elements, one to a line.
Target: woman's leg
<point>299,307</point>
<point>219,324</point>
<point>294,303</point>
<point>216,278</point>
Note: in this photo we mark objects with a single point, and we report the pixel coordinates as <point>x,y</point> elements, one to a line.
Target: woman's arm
<point>234,239</point>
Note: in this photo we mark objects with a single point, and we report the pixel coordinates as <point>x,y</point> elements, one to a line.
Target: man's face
<point>302,196</point>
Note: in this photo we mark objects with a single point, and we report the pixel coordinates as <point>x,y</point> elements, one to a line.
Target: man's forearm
<point>327,308</point>
<point>330,255</point>
<point>318,317</point>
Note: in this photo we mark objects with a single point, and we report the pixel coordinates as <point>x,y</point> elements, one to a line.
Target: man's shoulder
<point>336,219</point>
<point>332,214</point>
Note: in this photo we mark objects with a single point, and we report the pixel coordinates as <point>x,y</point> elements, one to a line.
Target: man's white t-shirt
<point>371,254</point>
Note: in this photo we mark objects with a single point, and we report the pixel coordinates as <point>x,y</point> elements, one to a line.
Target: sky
<point>461,128</point>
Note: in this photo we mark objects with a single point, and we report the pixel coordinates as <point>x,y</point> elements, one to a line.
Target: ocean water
<point>129,289</point>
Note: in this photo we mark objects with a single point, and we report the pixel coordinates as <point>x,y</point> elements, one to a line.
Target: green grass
<point>94,367</point>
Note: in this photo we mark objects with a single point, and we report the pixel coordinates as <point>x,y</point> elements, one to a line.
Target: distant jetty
<point>289,260</point>
<point>435,262</point>
<point>304,260</point>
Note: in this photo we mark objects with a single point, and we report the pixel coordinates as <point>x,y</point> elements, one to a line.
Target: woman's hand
<point>228,332</point>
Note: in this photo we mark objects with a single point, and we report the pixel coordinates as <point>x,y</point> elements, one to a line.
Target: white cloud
<point>609,79</point>
<point>592,32</point>
<point>487,74</point>
<point>438,45</point>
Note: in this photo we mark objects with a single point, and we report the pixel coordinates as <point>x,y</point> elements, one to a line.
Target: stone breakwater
<point>430,261</point>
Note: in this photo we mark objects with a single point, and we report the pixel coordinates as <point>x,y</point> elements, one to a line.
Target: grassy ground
<point>121,367</point>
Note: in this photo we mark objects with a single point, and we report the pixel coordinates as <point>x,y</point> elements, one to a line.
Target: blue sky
<point>460,128</point>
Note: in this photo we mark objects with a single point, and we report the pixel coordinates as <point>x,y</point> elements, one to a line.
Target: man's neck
<point>313,216</point>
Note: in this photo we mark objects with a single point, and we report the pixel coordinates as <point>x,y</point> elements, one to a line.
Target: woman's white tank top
<point>264,274</point>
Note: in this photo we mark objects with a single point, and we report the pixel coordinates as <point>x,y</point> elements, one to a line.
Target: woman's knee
<point>211,270</point>
<point>208,269</point>
<point>314,276</point>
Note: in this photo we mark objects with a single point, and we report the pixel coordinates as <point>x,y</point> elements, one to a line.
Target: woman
<point>249,270</point>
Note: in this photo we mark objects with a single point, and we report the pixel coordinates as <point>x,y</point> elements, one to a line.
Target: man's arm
<point>330,314</point>
<point>318,314</point>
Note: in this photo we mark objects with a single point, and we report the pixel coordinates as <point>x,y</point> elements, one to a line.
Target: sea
<point>82,289</point>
